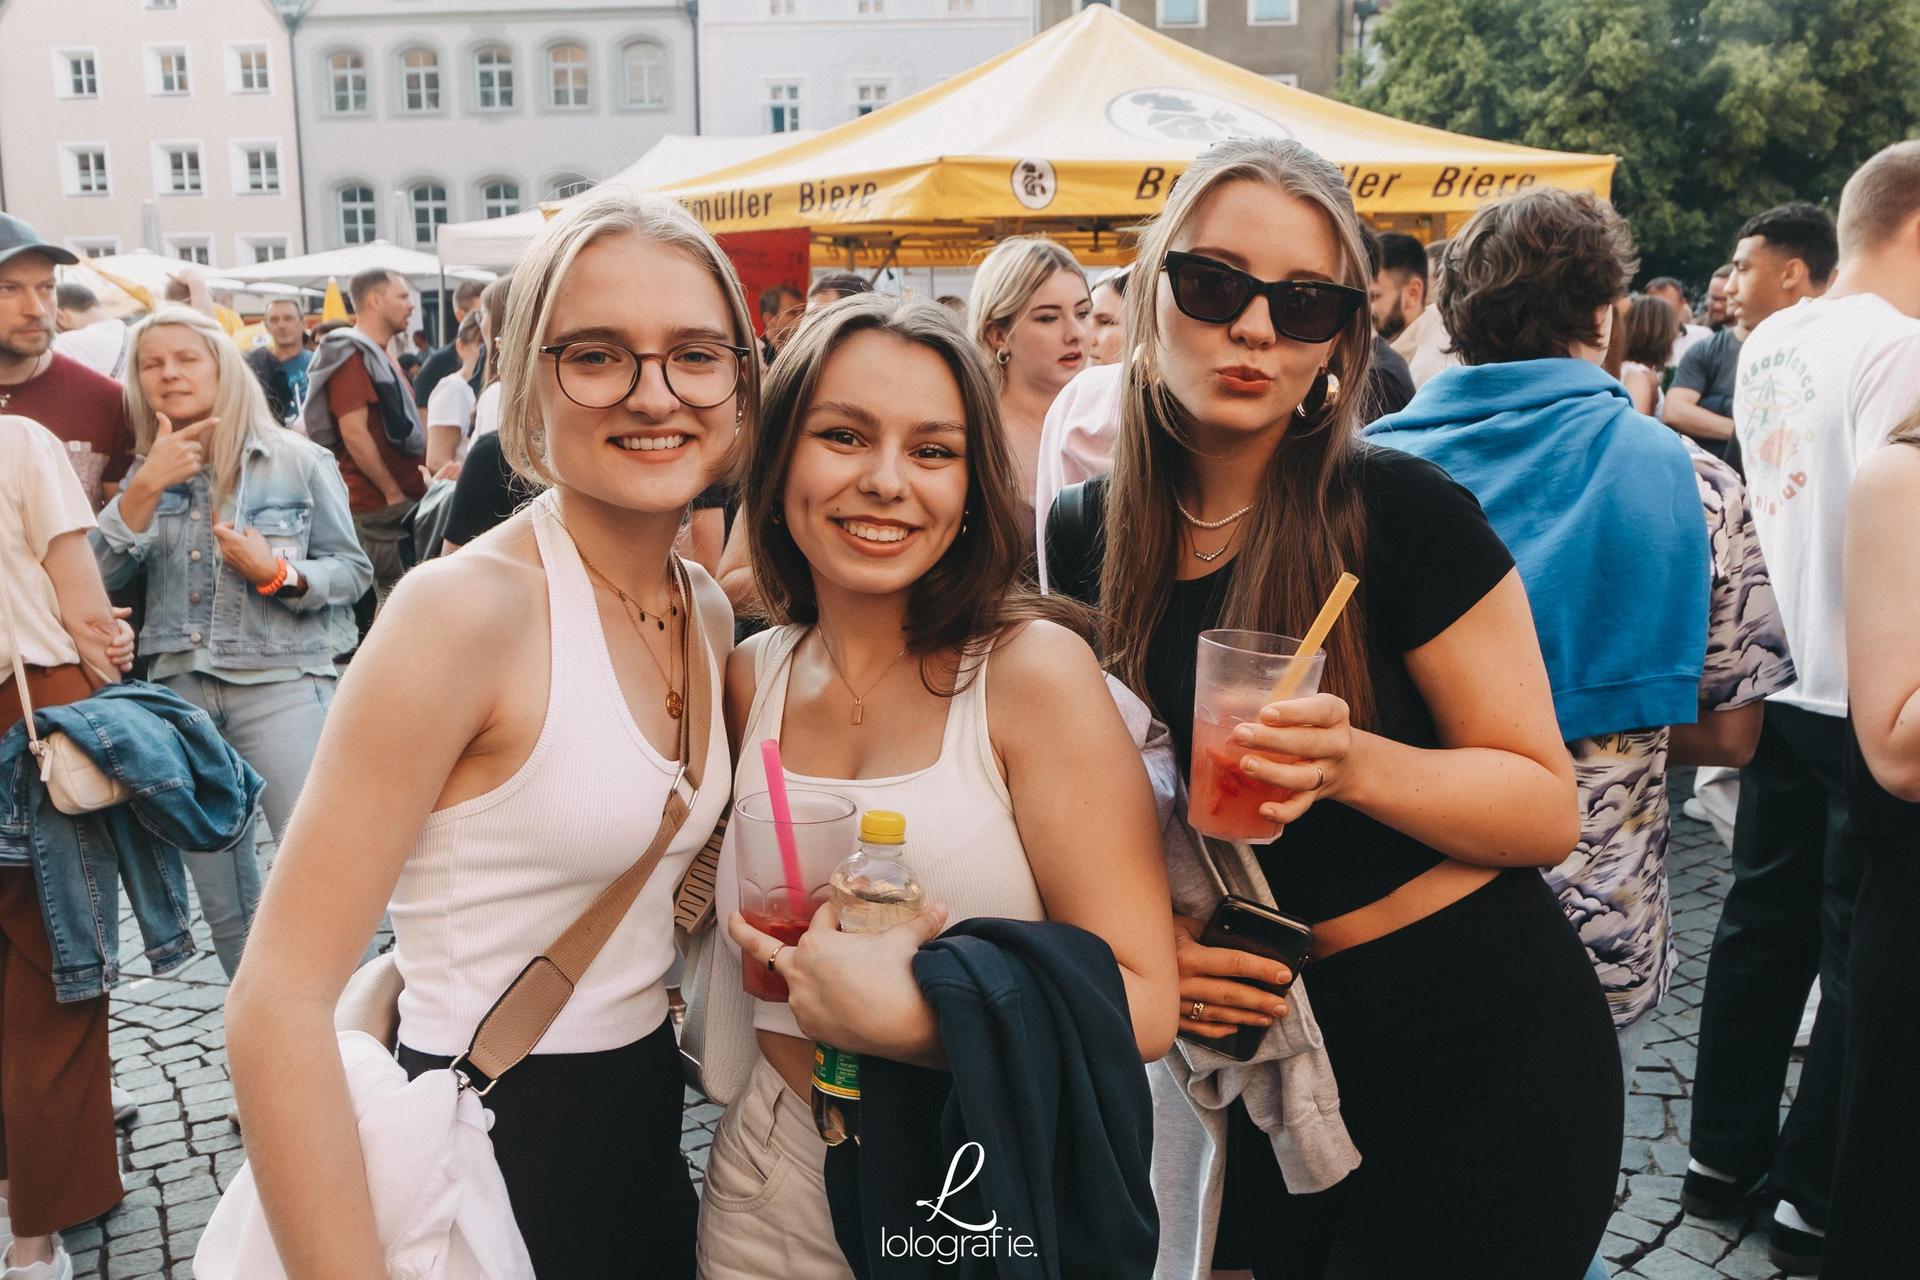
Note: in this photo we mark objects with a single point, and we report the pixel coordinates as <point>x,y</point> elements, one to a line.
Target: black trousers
<point>1480,1079</point>
<point>1876,1176</point>
<point>589,1145</point>
<point>1787,917</point>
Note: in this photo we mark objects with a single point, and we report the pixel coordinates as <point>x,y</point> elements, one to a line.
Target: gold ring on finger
<point>1319,777</point>
<point>1199,1010</point>
<point>775,956</point>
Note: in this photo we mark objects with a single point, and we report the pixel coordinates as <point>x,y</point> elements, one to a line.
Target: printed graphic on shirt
<point>91,467</point>
<point>1776,390</point>
<point>1614,886</point>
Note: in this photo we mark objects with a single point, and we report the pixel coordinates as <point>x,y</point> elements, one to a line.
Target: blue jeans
<point>275,728</point>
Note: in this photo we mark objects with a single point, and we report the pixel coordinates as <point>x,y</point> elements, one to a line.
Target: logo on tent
<point>1187,115</point>
<point>1034,183</point>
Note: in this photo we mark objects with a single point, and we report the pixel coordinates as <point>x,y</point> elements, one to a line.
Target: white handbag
<point>74,783</point>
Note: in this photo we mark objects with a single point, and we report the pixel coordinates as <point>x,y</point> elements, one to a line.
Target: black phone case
<point>1240,924</point>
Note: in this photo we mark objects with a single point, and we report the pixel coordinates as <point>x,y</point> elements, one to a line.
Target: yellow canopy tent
<point>1078,133</point>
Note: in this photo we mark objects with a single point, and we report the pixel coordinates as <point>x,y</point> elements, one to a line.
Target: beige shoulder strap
<point>522,1015</point>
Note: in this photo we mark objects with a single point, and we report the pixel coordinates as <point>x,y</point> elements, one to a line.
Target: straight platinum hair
<point>1004,285</point>
<point>239,403</point>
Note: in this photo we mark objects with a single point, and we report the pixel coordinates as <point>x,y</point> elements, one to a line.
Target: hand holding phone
<point>1234,974</point>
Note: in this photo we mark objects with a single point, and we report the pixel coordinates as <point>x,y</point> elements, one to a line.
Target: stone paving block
<point>1665,1264</point>
<point>198,1187</point>
<point>192,1214</point>
<point>1616,1247</point>
<point>1659,1082</point>
<point>1668,1158</point>
<point>86,1236</point>
<point>1659,1186</point>
<point>1650,1209</point>
<point>136,1266</point>
<point>222,1138</point>
<point>1646,1118</point>
<point>134,1081</point>
<point>130,1222</point>
<point>200,1075</point>
<point>1742,1264</point>
<point>179,1052</point>
<point>85,1264</point>
<point>1625,1224</point>
<point>1699,1245</point>
<point>153,1238</point>
<point>154,1157</point>
<point>208,1092</point>
<point>152,1135</point>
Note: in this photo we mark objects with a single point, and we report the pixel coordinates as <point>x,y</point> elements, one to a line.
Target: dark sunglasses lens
<point>1209,293</point>
<point>1309,314</point>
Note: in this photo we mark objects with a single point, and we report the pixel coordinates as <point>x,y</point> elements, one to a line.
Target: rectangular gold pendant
<point>858,712</point>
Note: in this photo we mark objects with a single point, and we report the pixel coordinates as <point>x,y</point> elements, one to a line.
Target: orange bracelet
<point>274,583</point>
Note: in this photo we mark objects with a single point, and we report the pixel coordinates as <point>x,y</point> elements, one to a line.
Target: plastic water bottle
<point>873,890</point>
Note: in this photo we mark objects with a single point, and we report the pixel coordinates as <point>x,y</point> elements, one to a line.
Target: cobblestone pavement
<point>168,1048</point>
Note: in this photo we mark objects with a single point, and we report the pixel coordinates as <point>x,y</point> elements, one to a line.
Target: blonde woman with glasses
<point>251,571</point>
<point>505,747</point>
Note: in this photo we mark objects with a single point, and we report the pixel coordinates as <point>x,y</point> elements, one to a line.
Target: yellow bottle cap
<point>879,826</point>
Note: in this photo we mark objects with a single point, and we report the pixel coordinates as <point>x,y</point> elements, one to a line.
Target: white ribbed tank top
<point>492,880</point>
<point>962,842</point>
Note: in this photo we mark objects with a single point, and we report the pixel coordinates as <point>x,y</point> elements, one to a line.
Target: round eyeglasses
<point>598,375</point>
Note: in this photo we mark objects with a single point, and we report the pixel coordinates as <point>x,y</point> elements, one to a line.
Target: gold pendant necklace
<point>859,698</point>
<point>676,702</point>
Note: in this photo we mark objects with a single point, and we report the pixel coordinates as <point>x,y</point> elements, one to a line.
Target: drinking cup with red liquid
<point>1236,675</point>
<point>825,828</point>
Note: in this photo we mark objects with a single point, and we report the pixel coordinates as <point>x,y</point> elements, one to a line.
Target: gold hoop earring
<point>1001,357</point>
<point>1321,395</point>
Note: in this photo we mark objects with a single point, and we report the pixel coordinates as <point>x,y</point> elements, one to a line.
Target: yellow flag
<point>335,306</point>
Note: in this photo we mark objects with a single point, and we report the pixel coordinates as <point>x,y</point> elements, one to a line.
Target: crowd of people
<point>471,628</point>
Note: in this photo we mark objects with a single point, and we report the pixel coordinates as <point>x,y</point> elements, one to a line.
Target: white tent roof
<point>497,243</point>
<point>313,270</point>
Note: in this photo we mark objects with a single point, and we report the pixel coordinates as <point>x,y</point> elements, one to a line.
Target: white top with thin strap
<point>492,880</point>
<point>962,842</point>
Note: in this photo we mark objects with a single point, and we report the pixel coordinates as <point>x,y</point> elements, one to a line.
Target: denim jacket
<point>290,490</point>
<point>191,793</point>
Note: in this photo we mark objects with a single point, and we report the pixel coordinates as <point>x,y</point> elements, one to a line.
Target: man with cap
<point>81,407</point>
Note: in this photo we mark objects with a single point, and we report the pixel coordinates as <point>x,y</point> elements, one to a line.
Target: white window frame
<point>870,8</point>
<point>163,4</point>
<point>665,79</point>
<point>83,246</point>
<point>240,162</point>
<point>960,6</point>
<point>1291,21</point>
<point>70,172</point>
<point>1288,78</point>
<point>237,52</point>
<point>163,150</point>
<point>371,230</point>
<point>492,208</point>
<point>429,77</point>
<point>557,184</point>
<point>414,206</point>
<point>790,105</point>
<point>1160,16</point>
<point>247,248</point>
<point>883,83</point>
<point>173,244</point>
<point>511,71</point>
<point>584,68</point>
<point>156,59</point>
<point>783,8</point>
<point>63,74</point>
<point>332,100</point>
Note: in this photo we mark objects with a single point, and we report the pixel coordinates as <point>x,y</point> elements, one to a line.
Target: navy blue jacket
<point>191,793</point>
<point>1046,1078</point>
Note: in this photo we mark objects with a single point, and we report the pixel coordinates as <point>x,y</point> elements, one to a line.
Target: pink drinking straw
<point>783,826</point>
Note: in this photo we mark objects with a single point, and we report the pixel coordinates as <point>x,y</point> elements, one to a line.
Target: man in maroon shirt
<point>82,408</point>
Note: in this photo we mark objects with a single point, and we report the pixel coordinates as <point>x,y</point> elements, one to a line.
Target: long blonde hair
<point>240,404</point>
<point>1311,523</point>
<point>1003,286</point>
<point>600,213</point>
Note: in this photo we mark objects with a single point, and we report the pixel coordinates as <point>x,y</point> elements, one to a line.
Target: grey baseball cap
<point>16,237</point>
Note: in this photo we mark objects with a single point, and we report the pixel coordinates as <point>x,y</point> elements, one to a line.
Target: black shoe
<point>1705,1196</point>
<point>1795,1252</point>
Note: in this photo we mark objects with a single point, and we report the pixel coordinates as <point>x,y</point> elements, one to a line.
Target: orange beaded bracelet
<point>277,581</point>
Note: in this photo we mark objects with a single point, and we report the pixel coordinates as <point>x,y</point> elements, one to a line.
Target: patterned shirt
<point>1614,886</point>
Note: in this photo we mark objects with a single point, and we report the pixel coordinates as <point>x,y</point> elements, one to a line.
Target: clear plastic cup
<point>825,829</point>
<point>1235,679</point>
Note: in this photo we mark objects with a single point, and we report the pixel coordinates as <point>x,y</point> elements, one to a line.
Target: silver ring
<point>775,956</point>
<point>1199,1010</point>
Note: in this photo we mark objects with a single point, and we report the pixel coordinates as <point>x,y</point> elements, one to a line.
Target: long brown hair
<point>967,601</point>
<point>1312,523</point>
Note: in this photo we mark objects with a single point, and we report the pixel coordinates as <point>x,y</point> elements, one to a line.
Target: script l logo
<point>935,1208</point>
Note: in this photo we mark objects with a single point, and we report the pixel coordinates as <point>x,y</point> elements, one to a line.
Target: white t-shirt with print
<point>40,499</point>
<point>1822,384</point>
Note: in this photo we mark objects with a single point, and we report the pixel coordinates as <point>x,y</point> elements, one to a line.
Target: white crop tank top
<point>493,880</point>
<point>961,839</point>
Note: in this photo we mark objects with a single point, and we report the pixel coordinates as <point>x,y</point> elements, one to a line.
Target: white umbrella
<point>313,270</point>
<point>499,242</point>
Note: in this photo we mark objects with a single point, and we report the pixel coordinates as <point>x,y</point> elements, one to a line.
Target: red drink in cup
<point>1236,673</point>
<point>825,827</point>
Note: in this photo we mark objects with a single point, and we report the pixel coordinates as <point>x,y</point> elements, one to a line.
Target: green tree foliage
<point>1717,108</point>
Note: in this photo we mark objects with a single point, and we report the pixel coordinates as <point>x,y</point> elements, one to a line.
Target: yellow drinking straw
<point>1296,670</point>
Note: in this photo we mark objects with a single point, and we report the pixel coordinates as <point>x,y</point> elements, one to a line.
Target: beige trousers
<point>764,1210</point>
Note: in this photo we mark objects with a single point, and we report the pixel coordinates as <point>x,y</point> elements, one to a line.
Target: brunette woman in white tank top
<point>880,507</point>
<point>503,749</point>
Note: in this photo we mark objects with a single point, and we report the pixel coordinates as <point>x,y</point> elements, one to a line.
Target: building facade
<point>432,111</point>
<point>773,66</point>
<point>1296,42</point>
<point>171,121</point>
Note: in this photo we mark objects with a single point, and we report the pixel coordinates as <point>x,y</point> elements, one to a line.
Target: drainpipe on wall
<point>292,19</point>
<point>693,18</point>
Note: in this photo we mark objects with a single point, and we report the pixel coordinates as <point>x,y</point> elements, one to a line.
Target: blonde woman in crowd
<point>504,748</point>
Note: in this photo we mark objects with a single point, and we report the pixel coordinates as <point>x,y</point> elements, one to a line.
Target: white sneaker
<point>124,1107</point>
<point>61,1268</point>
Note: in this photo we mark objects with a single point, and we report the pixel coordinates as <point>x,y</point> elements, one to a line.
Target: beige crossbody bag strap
<point>20,672</point>
<point>522,1015</point>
